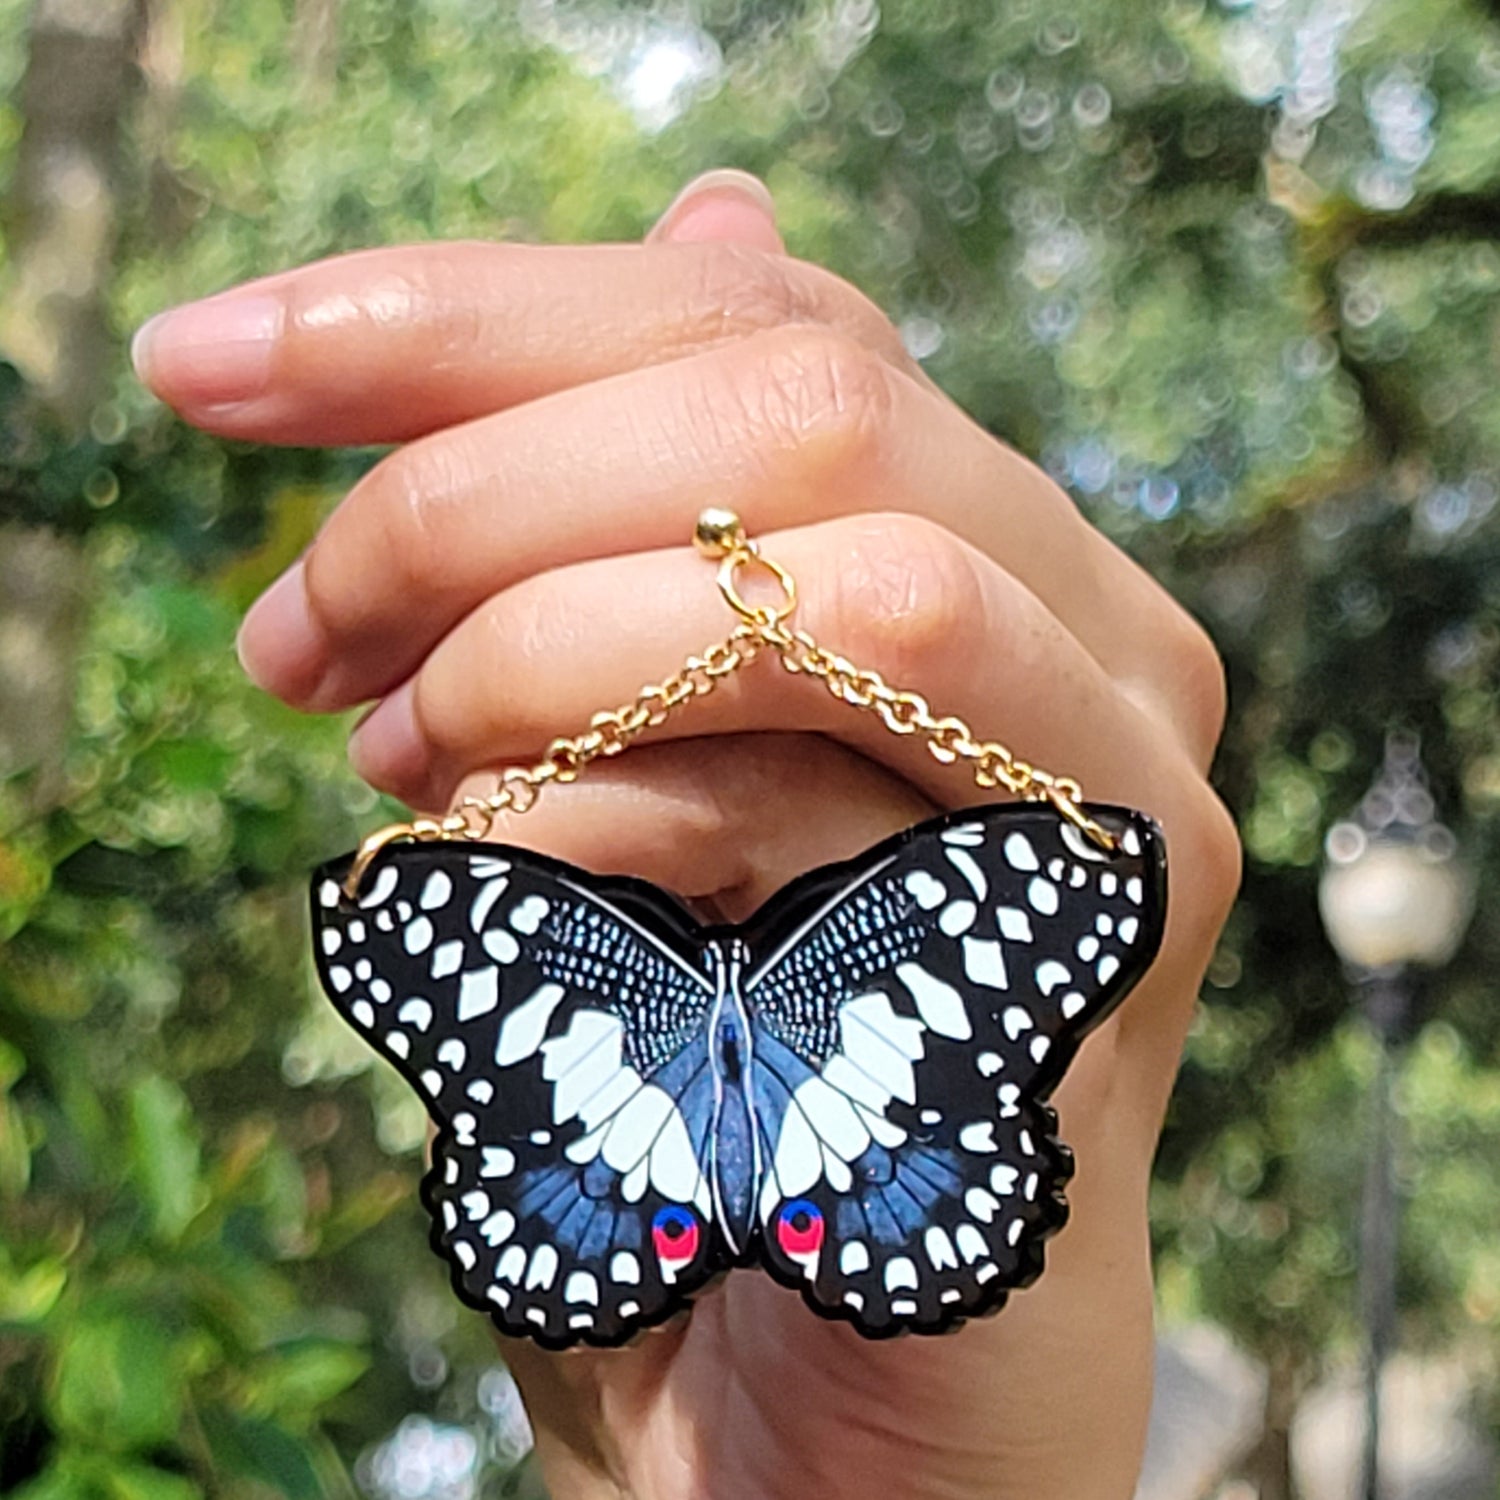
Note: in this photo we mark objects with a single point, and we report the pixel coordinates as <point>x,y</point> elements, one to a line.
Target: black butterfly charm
<point>847,1090</point>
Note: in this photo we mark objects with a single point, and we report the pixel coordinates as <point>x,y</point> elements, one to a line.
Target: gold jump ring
<point>767,615</point>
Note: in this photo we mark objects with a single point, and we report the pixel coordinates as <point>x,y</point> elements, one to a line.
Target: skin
<point>521,562</point>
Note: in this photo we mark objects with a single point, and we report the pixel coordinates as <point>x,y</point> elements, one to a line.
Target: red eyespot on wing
<point>675,1236</point>
<point>799,1232</point>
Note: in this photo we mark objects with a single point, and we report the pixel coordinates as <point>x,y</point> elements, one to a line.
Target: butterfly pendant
<point>848,1089</point>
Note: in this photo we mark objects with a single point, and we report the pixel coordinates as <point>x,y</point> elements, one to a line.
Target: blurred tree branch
<point>61,221</point>
<point>1394,422</point>
<point>174,202</point>
<point>61,216</point>
<point>1439,216</point>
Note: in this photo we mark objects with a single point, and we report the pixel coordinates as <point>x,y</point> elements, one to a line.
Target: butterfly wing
<point>552,1023</point>
<point>913,1010</point>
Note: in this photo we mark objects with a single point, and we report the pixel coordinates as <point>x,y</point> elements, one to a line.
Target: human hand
<point>566,412</point>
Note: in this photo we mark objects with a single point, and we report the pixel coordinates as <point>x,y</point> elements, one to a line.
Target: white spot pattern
<point>926,891</point>
<point>478,993</point>
<point>940,1006</point>
<point>984,963</point>
<point>1014,924</point>
<point>939,1248</point>
<point>968,867</point>
<point>957,918</point>
<point>900,1272</point>
<point>522,1030</point>
<point>447,958</point>
<point>484,900</point>
<point>1020,854</point>
<point>854,1257</point>
<point>381,889</point>
<point>1042,895</point>
<point>415,1012</point>
<point>527,916</point>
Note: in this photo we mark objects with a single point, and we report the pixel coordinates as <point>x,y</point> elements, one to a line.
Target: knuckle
<point>702,815</point>
<point>1183,685</point>
<point>733,290</point>
<point>398,497</point>
<point>440,290</point>
<point>1199,684</point>
<point>1213,856</point>
<point>1210,685</point>
<point>505,645</point>
<point>509,645</point>
<point>905,594</point>
<point>822,396</point>
<point>392,536</point>
<point>844,306</point>
<point>337,612</point>
<point>432,696</point>
<point>443,707</point>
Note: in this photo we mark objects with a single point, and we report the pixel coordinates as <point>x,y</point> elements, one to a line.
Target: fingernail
<point>725,204</point>
<point>212,353</point>
<point>386,747</point>
<point>725,180</point>
<point>280,644</point>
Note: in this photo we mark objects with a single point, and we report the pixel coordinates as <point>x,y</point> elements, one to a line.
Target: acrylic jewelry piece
<point>848,1090</point>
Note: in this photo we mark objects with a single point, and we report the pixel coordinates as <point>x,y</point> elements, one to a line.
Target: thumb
<point>722,205</point>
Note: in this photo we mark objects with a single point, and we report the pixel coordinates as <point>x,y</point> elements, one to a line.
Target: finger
<point>385,345</point>
<point>792,425</point>
<point>898,595</point>
<point>724,206</point>
<point>689,815</point>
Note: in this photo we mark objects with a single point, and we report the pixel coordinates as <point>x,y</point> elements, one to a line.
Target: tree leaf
<point>60,1480</point>
<point>164,1154</point>
<point>24,881</point>
<point>15,1148</point>
<point>138,1482</point>
<point>116,1383</point>
<point>28,1298</point>
<point>264,1452</point>
<point>299,1377</point>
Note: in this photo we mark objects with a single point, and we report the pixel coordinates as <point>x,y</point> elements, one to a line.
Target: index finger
<point>385,345</point>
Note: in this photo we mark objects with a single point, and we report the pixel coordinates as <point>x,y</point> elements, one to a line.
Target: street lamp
<point>1395,897</point>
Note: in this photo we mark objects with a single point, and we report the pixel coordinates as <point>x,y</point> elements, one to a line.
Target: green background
<point>1228,270</point>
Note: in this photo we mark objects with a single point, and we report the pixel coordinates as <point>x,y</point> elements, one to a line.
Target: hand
<point>521,563</point>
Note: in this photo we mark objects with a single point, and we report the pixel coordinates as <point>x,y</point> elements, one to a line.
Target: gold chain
<point>719,534</point>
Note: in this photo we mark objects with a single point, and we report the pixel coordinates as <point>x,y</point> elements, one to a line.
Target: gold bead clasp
<point>719,532</point>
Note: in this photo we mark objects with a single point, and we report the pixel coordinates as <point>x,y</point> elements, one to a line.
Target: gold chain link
<point>948,739</point>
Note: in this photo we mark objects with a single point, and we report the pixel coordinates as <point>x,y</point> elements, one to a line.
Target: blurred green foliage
<point>1227,270</point>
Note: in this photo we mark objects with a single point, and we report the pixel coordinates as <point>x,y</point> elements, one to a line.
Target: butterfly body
<point>848,1090</point>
